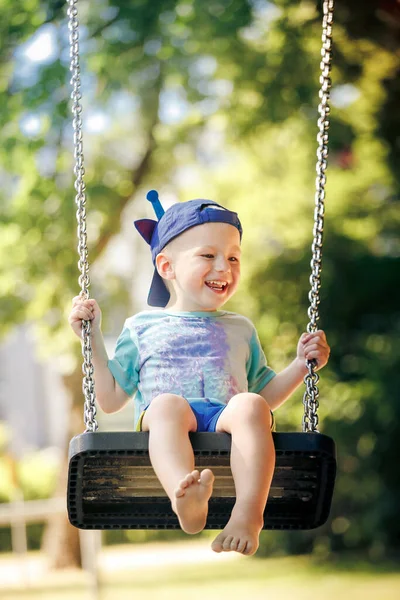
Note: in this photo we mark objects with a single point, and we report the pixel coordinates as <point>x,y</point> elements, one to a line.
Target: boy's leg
<point>169,419</point>
<point>248,419</point>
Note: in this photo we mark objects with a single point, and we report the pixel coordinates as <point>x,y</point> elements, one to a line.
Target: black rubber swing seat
<point>111,484</point>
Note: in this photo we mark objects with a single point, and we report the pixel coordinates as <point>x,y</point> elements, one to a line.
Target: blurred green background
<point>214,99</point>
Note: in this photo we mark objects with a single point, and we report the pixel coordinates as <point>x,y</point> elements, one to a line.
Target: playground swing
<point>111,484</point>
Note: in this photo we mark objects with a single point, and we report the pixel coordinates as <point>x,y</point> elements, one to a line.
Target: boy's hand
<point>87,310</point>
<point>313,346</point>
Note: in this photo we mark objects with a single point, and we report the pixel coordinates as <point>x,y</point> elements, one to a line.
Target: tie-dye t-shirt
<point>193,354</point>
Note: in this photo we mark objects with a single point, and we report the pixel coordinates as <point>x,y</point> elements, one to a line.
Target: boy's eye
<point>231,258</point>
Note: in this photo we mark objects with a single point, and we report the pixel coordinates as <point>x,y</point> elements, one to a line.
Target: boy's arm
<point>109,395</point>
<point>311,346</point>
<point>280,387</point>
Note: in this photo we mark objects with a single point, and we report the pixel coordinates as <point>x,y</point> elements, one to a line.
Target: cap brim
<point>158,294</point>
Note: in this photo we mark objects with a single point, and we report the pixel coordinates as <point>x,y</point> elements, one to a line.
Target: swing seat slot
<point>111,484</point>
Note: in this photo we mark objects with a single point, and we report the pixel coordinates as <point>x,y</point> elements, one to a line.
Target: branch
<point>138,175</point>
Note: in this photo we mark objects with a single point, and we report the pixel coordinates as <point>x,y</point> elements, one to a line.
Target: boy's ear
<point>165,266</point>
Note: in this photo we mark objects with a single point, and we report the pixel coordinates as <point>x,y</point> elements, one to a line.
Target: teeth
<point>218,284</point>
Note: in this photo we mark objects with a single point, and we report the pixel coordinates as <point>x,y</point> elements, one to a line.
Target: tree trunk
<point>61,540</point>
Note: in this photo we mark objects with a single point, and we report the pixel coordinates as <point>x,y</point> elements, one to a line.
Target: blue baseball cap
<point>171,223</point>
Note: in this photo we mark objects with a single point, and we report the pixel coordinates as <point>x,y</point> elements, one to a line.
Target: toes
<point>183,485</point>
<point>195,474</point>
<point>207,477</point>
<point>179,492</point>
<point>250,549</point>
<point>190,479</point>
<point>231,543</point>
<point>217,544</point>
<point>227,543</point>
<point>234,544</point>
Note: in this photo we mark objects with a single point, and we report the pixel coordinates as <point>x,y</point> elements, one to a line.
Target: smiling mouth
<point>217,286</point>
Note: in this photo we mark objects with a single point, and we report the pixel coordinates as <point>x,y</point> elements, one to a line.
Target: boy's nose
<point>221,264</point>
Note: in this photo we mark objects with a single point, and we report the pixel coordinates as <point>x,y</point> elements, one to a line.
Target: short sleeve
<point>124,366</point>
<point>258,372</point>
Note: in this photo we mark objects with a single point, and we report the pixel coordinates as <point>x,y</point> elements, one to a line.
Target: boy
<point>195,367</point>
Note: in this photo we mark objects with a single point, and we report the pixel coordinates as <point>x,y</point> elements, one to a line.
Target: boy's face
<point>204,266</point>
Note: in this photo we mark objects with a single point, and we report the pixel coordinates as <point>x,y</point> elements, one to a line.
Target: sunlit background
<point>218,100</point>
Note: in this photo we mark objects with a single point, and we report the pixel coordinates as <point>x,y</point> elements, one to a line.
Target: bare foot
<point>191,500</point>
<point>241,534</point>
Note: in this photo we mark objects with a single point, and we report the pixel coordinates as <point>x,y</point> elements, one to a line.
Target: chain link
<point>80,200</point>
<point>311,394</point>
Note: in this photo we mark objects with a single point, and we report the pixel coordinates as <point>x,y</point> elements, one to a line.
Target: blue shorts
<point>207,413</point>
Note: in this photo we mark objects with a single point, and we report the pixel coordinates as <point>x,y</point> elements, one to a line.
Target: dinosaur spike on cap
<point>152,196</point>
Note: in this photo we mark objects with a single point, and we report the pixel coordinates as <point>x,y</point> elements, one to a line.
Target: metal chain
<point>310,398</point>
<point>80,200</point>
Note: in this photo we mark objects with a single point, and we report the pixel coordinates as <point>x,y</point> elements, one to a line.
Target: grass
<point>299,578</point>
